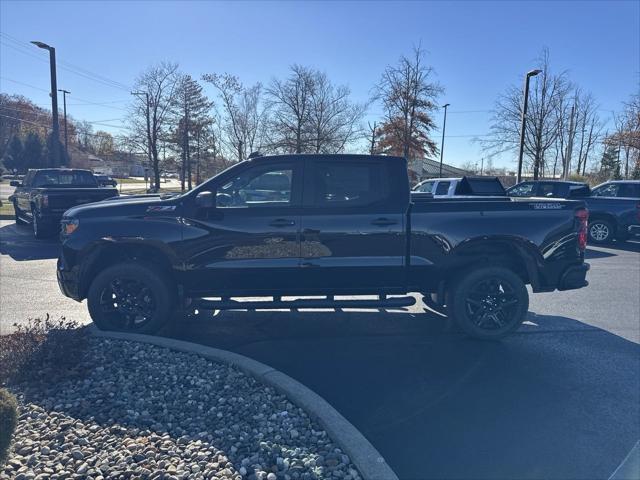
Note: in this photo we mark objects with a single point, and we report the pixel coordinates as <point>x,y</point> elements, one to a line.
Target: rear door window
<point>552,190</point>
<point>631,190</point>
<point>340,184</point>
<point>442,188</point>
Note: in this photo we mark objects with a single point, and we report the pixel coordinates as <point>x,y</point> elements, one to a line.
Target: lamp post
<point>64,103</point>
<point>530,74</point>
<point>54,101</point>
<point>444,126</point>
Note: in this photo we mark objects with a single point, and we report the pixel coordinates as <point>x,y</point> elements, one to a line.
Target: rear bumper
<point>574,277</point>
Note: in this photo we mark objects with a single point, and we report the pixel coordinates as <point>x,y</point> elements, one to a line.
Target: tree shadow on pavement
<point>558,399</point>
<point>18,242</point>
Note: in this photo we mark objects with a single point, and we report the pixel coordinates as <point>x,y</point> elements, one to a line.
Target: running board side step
<point>228,304</point>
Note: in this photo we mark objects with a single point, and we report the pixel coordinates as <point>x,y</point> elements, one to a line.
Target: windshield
<point>64,178</point>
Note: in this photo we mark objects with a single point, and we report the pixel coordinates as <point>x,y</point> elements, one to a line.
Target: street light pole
<point>530,74</point>
<point>54,101</point>
<point>444,126</point>
<point>64,103</point>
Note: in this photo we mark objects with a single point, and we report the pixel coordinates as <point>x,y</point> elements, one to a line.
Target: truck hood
<point>123,206</point>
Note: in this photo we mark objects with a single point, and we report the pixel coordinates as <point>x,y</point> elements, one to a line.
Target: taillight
<point>582,216</point>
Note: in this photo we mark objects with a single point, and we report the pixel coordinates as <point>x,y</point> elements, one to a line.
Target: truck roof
<point>59,170</point>
<point>350,156</point>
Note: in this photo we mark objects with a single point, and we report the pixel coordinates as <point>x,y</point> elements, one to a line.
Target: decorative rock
<point>168,415</point>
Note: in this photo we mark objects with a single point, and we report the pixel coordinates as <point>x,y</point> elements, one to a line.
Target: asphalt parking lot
<point>559,399</point>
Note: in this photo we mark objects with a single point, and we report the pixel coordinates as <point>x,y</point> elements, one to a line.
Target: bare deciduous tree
<point>290,102</point>
<point>546,112</point>
<point>150,115</point>
<point>244,114</point>
<point>333,118</point>
<point>409,94</point>
<point>309,114</point>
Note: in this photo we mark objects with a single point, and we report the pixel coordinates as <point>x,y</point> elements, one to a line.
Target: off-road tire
<point>512,307</point>
<point>155,280</point>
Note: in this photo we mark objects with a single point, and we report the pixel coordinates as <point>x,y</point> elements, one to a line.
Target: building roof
<point>427,168</point>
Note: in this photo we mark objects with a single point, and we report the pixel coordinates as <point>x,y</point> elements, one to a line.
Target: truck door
<point>248,242</point>
<point>352,236</point>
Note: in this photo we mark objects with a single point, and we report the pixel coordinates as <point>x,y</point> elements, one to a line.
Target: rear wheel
<point>488,303</point>
<point>131,297</point>
<point>600,231</point>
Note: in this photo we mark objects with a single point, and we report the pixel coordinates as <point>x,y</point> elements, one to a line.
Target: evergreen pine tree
<point>610,164</point>
<point>14,156</point>
<point>33,150</point>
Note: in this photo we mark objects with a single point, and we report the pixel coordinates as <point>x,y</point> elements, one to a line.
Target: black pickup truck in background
<point>614,207</point>
<point>45,194</point>
<point>321,225</point>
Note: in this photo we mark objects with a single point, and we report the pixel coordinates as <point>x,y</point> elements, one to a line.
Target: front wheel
<point>489,303</point>
<point>131,297</point>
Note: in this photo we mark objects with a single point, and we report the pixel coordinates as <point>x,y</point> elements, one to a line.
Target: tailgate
<point>64,199</point>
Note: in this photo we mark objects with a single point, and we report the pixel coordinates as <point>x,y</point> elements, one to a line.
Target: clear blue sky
<point>477,48</point>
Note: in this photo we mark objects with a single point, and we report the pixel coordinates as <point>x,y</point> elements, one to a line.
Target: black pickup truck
<point>45,194</point>
<point>339,225</point>
<point>614,206</point>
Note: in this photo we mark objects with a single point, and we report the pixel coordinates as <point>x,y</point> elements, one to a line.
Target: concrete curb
<point>364,456</point>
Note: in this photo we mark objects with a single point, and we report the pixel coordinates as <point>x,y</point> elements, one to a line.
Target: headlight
<point>69,225</point>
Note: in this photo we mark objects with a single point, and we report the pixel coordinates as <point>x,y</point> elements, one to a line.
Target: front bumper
<point>68,281</point>
<point>574,277</point>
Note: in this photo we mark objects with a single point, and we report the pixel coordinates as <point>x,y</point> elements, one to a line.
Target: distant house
<point>120,165</point>
<point>423,168</point>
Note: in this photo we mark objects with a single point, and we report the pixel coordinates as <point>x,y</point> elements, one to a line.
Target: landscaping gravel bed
<point>141,411</point>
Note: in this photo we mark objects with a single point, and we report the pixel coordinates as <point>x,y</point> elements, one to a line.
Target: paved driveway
<point>560,399</point>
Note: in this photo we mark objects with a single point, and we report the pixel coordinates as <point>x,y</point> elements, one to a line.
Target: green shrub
<point>8,422</point>
<point>44,351</point>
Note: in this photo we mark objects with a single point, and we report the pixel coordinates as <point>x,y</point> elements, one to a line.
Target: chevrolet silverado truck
<point>45,194</point>
<point>325,226</point>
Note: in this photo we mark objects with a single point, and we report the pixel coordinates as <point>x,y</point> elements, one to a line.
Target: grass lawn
<point>6,209</point>
<point>128,180</point>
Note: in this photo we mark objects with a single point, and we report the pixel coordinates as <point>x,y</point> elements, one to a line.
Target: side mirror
<point>15,183</point>
<point>204,200</point>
